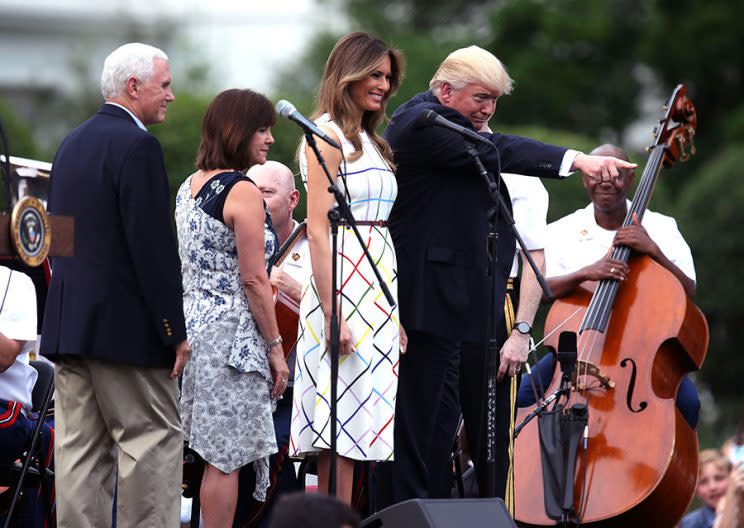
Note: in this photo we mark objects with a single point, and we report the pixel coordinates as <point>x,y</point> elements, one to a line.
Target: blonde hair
<point>353,58</point>
<point>716,457</point>
<point>472,65</point>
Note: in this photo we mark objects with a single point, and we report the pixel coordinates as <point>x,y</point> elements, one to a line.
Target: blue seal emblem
<point>30,231</point>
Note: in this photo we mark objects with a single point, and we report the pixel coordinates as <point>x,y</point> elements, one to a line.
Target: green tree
<point>710,210</point>
<point>20,142</point>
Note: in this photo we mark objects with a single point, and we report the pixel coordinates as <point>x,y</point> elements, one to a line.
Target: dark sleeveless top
<point>211,197</point>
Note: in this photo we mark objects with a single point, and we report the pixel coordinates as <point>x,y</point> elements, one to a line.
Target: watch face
<point>523,328</point>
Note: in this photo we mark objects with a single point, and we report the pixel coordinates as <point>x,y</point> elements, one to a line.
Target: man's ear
<point>132,87</point>
<point>445,92</point>
<point>294,198</point>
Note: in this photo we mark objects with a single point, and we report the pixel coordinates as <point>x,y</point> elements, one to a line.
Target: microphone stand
<point>500,208</point>
<point>335,214</point>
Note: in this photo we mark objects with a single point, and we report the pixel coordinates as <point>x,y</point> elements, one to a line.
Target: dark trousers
<point>282,469</point>
<point>473,370</point>
<point>426,416</point>
<point>15,437</point>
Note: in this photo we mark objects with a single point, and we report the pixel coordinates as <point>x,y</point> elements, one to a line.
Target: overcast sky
<point>246,41</point>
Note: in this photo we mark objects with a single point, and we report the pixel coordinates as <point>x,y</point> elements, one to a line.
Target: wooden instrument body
<point>641,461</point>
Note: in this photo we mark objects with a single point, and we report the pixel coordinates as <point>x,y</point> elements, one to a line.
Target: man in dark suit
<point>114,322</point>
<point>440,226</point>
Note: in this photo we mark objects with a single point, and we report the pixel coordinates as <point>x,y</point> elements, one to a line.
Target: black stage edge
<point>443,513</point>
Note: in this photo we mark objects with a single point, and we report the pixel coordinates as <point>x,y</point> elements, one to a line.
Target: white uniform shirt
<point>297,265</point>
<point>18,321</point>
<point>297,262</point>
<point>576,241</point>
<point>529,200</point>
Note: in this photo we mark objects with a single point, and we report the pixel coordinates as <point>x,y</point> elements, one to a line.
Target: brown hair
<point>353,58</point>
<point>228,126</point>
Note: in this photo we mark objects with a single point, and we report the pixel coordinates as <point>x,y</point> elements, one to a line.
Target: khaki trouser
<point>111,417</point>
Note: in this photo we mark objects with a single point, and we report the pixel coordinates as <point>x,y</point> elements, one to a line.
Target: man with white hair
<point>440,225</point>
<point>114,323</point>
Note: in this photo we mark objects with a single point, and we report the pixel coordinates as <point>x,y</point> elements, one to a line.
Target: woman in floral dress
<point>237,366</point>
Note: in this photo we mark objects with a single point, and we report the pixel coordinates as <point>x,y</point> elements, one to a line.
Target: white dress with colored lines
<point>368,377</point>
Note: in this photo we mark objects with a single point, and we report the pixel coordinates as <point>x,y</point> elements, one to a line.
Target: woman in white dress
<point>360,76</point>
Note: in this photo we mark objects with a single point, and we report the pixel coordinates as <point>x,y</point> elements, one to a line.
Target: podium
<point>28,232</point>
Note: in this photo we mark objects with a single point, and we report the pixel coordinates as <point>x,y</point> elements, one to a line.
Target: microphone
<point>567,352</point>
<point>430,117</point>
<point>288,110</point>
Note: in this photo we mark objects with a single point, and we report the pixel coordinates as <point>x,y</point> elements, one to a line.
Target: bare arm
<point>636,238</point>
<point>286,284</point>
<point>245,215</point>
<point>319,201</point>
<point>515,349</point>
<point>605,268</point>
<point>731,507</point>
<point>9,350</point>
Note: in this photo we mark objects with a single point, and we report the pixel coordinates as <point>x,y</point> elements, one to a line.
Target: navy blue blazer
<point>120,297</point>
<point>439,222</point>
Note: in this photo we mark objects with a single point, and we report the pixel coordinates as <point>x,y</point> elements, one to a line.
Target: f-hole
<point>631,387</point>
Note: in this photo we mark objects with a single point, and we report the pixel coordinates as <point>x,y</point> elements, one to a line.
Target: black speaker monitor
<point>443,513</point>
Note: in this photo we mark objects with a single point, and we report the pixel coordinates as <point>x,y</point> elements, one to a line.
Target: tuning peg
<point>665,107</point>
<point>656,130</point>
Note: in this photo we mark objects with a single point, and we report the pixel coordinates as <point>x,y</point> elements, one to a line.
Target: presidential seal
<point>29,230</point>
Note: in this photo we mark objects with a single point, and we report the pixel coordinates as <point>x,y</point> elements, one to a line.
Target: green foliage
<point>709,214</point>
<point>20,141</point>
<point>179,136</point>
<point>571,72</point>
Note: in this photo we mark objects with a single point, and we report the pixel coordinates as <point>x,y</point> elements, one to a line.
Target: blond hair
<point>716,457</point>
<point>472,65</point>
<point>353,58</point>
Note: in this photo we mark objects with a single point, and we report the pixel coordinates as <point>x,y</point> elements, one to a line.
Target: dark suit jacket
<point>119,298</point>
<point>439,221</point>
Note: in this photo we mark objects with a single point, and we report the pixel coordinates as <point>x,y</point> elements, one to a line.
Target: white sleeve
<point>554,246</point>
<point>18,307</point>
<point>568,159</point>
<point>673,245</point>
<point>529,207</point>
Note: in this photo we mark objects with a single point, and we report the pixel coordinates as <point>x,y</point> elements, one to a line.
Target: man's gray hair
<point>130,60</point>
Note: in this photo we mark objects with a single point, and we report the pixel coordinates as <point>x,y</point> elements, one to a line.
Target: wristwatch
<point>522,327</point>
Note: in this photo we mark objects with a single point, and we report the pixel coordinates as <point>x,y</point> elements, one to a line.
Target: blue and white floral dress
<point>226,409</point>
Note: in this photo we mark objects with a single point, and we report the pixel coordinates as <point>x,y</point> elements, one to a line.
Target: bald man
<point>577,250</point>
<point>277,184</point>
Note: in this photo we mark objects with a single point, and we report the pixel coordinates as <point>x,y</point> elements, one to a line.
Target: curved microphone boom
<point>430,117</point>
<point>288,111</point>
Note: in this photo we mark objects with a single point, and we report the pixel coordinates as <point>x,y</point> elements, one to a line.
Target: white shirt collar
<point>128,111</point>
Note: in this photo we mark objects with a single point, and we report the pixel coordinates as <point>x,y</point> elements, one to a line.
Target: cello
<point>637,463</point>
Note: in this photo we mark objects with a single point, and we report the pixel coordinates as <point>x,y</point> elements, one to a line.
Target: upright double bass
<point>637,463</point>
